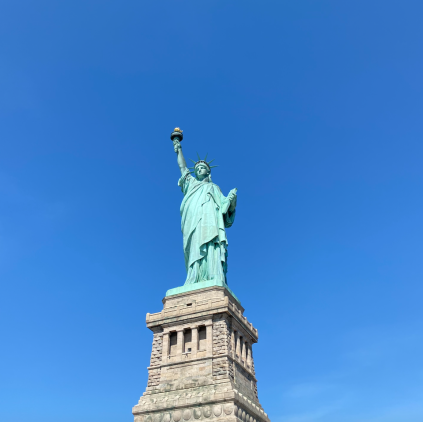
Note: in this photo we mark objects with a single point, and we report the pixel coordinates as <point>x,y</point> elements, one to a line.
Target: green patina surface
<point>200,285</point>
<point>206,214</point>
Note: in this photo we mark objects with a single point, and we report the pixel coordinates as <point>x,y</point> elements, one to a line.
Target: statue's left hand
<point>233,199</point>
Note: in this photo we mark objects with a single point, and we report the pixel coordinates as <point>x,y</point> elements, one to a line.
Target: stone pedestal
<point>202,365</point>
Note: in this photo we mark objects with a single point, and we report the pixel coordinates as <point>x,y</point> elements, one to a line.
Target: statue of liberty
<point>205,214</point>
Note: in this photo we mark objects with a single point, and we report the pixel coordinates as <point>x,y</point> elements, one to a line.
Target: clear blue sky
<point>312,109</point>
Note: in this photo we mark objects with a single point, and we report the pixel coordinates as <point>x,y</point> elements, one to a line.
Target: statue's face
<point>201,171</point>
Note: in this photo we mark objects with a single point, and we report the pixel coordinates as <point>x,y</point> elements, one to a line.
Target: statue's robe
<point>205,215</point>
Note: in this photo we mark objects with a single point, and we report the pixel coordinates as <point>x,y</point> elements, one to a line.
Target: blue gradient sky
<point>312,109</point>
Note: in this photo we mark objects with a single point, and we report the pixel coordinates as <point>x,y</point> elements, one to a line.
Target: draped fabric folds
<point>205,215</point>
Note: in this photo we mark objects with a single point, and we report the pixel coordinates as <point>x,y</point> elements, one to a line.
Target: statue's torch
<point>176,135</point>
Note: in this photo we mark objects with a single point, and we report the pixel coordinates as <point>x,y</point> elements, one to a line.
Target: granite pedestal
<point>202,365</point>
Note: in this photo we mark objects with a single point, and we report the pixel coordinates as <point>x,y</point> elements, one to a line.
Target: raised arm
<point>181,160</point>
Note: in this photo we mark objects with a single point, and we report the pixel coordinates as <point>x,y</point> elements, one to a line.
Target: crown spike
<point>200,161</point>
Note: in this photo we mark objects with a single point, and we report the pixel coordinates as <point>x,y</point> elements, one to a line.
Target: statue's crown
<point>200,161</point>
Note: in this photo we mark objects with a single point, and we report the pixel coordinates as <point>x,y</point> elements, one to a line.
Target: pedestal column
<point>165,349</point>
<point>238,346</point>
<point>244,346</point>
<point>194,341</point>
<point>179,342</point>
<point>233,343</point>
<point>209,339</point>
<point>248,346</point>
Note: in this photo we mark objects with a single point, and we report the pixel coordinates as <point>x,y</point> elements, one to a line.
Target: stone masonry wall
<point>153,377</point>
<point>221,335</point>
<point>253,369</point>
<point>156,354</point>
<point>223,366</point>
<point>255,390</point>
<point>156,359</point>
<point>245,383</point>
<point>222,346</point>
